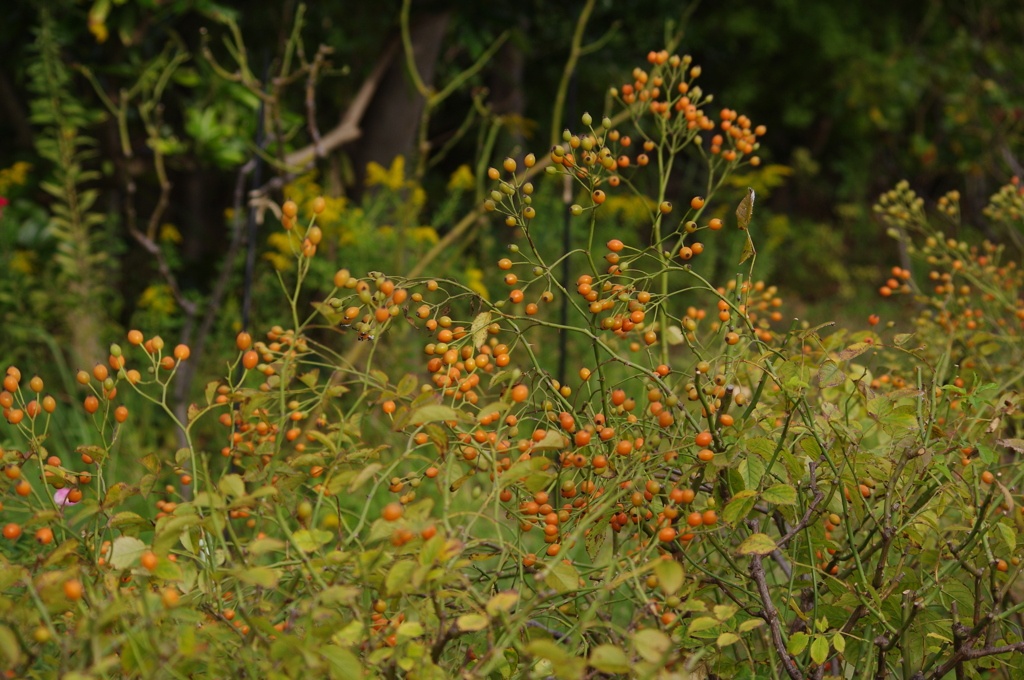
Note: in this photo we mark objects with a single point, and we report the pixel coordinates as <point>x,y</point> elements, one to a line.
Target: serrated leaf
<point>652,644</point>
<point>780,494</point>
<point>479,328</point>
<point>830,375</point>
<point>819,649</point>
<point>854,350</point>
<point>740,505</point>
<point>839,642</point>
<point>757,544</point>
<point>726,639</point>
<point>472,622</point>
<point>670,576</point>
<point>609,659</point>
<point>797,643</point>
<point>126,551</point>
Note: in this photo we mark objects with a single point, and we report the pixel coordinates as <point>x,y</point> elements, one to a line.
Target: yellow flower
<point>16,175</point>
<point>158,298</point>
<point>475,282</point>
<point>423,235</point>
<point>393,178</point>
<point>280,262</point>
<point>461,179</point>
<point>23,261</point>
<point>168,232</point>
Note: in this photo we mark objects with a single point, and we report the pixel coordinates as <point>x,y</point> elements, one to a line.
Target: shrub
<point>712,494</point>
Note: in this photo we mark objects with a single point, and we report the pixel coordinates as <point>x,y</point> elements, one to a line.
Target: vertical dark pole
<point>563,337</point>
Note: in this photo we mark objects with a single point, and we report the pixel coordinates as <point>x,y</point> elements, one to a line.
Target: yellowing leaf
<point>472,622</point>
<point>609,659</point>
<point>757,544</point>
<point>126,551</point>
<point>652,644</point>
<point>726,639</point>
<point>670,576</point>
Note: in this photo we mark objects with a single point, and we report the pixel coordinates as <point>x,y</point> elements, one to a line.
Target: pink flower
<point>61,497</point>
<point>3,202</point>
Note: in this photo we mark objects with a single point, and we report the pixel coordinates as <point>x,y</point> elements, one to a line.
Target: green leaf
<point>400,577</point>
<point>702,623</point>
<point>432,413</point>
<point>797,643</point>
<point>652,644</point>
<point>757,544</point>
<point>670,576</point>
<point>546,648</point>
<point>62,551</point>
<point>726,639</point>
<point>740,505</point>
<point>819,649</point>
<point>472,622</point>
<point>839,642</point>
<point>264,577</point>
<point>609,659</point>
<point>1008,535</point>
<point>780,494</point>
<point>751,470</point>
<point>231,485</point>
<point>310,540</point>
<point>126,551</point>
<point>342,664</point>
<point>901,338</point>
<point>9,647</point>
<point>168,571</point>
<point>830,375</point>
<point>552,440</point>
<point>562,577</point>
<point>126,518</point>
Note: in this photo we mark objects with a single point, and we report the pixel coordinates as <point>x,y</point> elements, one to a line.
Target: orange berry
<point>73,589</point>
<point>392,512</point>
